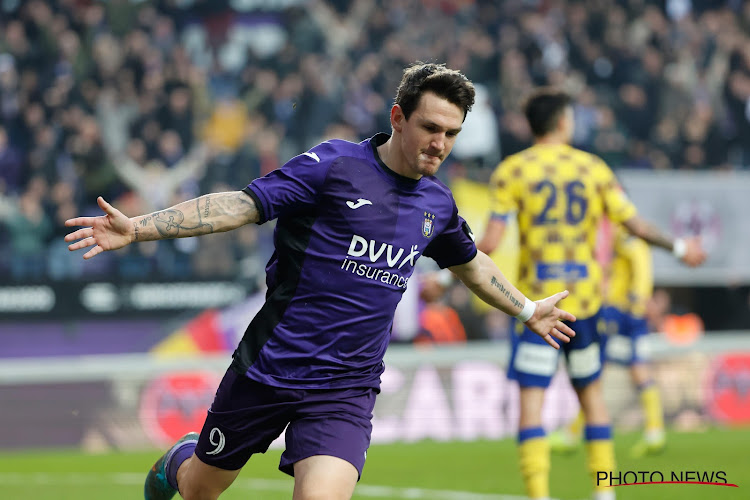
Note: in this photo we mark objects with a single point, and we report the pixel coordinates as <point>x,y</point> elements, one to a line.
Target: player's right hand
<point>695,254</point>
<point>106,232</point>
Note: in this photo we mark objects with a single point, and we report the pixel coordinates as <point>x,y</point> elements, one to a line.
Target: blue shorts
<point>246,417</point>
<point>533,362</point>
<point>623,336</point>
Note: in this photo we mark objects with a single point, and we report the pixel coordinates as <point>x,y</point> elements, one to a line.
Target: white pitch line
<point>132,479</point>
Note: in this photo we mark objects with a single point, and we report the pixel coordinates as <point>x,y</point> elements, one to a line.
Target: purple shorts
<point>246,417</point>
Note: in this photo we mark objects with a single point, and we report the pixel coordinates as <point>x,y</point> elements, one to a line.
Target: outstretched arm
<point>485,279</point>
<point>689,251</point>
<point>211,213</point>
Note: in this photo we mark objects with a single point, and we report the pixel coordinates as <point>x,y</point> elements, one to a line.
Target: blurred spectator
<point>112,97</point>
<point>515,135</point>
<point>61,263</point>
<point>610,140</point>
<point>478,142</point>
<point>157,184</point>
<point>177,114</point>
<point>439,323</point>
<point>585,119</point>
<point>96,173</point>
<point>462,301</point>
<point>10,165</point>
<point>666,143</point>
<point>636,112</point>
<point>29,229</point>
<point>226,124</point>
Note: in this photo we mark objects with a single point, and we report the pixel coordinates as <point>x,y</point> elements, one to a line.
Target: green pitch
<point>482,470</point>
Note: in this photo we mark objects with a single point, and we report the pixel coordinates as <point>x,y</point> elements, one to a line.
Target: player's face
<point>427,137</point>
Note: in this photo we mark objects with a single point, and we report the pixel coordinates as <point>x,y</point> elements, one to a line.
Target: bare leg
<point>640,374</point>
<point>199,481</point>
<point>594,409</point>
<point>322,477</point>
<point>532,399</point>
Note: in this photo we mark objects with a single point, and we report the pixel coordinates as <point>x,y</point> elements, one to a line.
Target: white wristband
<point>445,278</point>
<point>527,312</point>
<point>679,248</point>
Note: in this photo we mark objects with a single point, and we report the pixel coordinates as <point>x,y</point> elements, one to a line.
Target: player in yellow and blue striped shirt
<point>630,284</point>
<point>559,195</point>
<point>628,287</point>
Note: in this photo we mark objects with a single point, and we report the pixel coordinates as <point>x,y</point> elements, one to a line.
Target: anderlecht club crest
<point>428,224</point>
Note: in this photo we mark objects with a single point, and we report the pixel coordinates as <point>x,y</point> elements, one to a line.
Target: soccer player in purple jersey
<point>352,220</point>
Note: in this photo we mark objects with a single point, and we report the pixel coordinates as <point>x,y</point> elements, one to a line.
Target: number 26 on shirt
<point>573,195</point>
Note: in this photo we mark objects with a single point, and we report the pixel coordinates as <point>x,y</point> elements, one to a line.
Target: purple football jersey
<point>347,238</point>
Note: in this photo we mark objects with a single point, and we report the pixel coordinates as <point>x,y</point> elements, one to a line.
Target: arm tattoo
<point>242,205</point>
<point>210,213</point>
<point>494,282</point>
<point>169,223</point>
<point>135,226</point>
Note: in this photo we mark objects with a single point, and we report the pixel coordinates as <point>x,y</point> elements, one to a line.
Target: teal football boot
<point>156,486</point>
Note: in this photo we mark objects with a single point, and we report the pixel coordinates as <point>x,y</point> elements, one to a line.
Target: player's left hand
<point>547,321</point>
<point>695,254</point>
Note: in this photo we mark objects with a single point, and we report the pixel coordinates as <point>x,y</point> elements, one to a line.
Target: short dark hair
<point>544,107</point>
<point>423,77</point>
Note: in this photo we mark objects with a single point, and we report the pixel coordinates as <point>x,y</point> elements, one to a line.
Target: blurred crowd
<point>149,103</point>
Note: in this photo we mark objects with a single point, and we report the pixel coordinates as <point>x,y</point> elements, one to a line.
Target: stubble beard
<point>428,165</point>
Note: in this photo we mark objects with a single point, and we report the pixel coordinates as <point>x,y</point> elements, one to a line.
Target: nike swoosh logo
<point>313,156</point>
<point>360,203</point>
